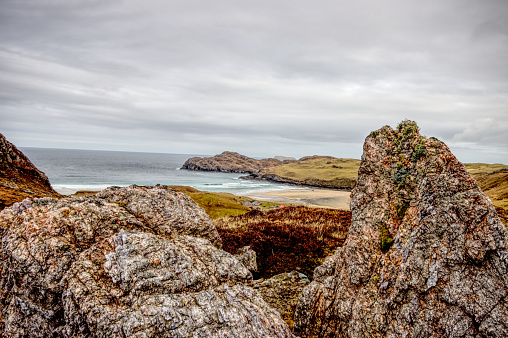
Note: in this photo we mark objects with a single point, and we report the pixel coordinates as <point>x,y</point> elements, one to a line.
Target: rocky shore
<point>316,183</point>
<point>231,162</point>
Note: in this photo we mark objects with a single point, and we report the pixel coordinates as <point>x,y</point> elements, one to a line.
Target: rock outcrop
<point>129,262</point>
<point>282,292</point>
<point>19,178</point>
<point>425,255</point>
<point>231,162</point>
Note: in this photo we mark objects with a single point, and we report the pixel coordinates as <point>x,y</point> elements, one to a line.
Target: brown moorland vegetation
<point>286,239</point>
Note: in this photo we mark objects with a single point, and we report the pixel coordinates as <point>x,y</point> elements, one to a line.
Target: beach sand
<point>323,198</point>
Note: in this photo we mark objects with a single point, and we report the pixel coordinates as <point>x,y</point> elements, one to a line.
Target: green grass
<point>338,172</point>
<point>216,204</point>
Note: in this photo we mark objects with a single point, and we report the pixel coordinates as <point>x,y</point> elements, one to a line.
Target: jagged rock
<point>231,162</point>
<point>164,209</point>
<point>425,255</point>
<point>19,178</point>
<point>113,265</point>
<point>282,291</point>
<point>247,257</point>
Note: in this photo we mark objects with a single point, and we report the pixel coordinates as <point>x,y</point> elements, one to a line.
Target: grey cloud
<point>229,73</point>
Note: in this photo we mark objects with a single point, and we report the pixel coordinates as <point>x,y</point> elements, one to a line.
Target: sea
<point>71,170</point>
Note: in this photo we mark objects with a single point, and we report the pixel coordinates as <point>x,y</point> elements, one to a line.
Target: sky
<point>263,78</point>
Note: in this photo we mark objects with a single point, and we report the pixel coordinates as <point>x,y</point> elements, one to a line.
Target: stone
<point>164,209</point>
<point>282,291</point>
<point>122,263</point>
<point>425,255</point>
<point>247,257</point>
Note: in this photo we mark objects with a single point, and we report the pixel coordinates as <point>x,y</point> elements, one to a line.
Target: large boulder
<point>425,255</point>
<point>19,178</point>
<point>164,210</point>
<point>114,265</point>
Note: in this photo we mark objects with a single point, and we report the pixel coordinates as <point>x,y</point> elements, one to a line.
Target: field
<point>328,171</point>
<point>492,180</point>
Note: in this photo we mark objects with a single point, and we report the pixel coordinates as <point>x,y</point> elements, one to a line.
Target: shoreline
<point>275,179</point>
<point>321,198</point>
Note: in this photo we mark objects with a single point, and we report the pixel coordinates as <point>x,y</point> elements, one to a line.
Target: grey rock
<point>425,255</point>
<point>114,265</point>
<point>164,209</point>
<point>282,292</point>
<point>248,258</point>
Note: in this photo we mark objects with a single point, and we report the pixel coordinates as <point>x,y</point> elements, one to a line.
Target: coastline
<point>275,179</point>
<point>321,198</point>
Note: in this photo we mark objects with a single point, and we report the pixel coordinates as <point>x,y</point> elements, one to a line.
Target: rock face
<point>231,162</point>
<point>282,292</point>
<point>19,178</point>
<point>122,264</point>
<point>425,255</point>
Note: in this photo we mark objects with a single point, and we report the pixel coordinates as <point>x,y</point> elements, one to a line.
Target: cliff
<point>425,256</point>
<point>231,162</point>
<point>19,178</point>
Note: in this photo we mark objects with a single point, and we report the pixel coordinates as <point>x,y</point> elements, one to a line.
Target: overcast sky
<point>263,78</point>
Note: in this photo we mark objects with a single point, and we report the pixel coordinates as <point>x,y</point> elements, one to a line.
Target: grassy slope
<point>216,204</point>
<point>338,172</point>
<point>494,185</point>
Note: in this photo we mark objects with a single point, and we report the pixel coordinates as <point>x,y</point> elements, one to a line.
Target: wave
<point>69,189</point>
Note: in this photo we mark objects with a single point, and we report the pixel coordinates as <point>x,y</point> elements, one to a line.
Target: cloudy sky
<point>264,77</point>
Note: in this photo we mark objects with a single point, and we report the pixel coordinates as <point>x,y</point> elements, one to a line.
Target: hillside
<point>319,171</point>
<point>231,162</point>
<point>19,178</point>
<point>493,180</point>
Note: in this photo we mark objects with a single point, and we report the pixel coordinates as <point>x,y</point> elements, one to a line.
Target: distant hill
<point>315,171</point>
<point>493,180</point>
<point>19,178</point>
<point>231,162</point>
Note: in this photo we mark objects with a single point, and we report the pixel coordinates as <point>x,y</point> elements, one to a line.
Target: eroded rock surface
<point>19,178</point>
<point>164,210</point>
<point>112,265</point>
<point>425,255</point>
<point>282,292</point>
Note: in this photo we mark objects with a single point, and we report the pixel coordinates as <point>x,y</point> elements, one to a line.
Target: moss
<point>374,134</point>
<point>419,152</point>
<point>402,208</point>
<point>386,240</point>
<point>400,175</point>
<point>122,204</point>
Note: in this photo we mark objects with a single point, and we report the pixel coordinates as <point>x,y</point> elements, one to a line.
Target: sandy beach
<point>322,198</point>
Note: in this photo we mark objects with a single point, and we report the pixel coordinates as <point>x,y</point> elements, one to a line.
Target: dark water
<point>72,170</point>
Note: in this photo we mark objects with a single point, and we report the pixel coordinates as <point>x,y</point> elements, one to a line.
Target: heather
<point>285,239</point>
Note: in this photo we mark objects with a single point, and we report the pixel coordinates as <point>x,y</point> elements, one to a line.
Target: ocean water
<point>73,170</point>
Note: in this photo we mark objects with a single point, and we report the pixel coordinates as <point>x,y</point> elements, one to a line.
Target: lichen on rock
<point>446,272</point>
